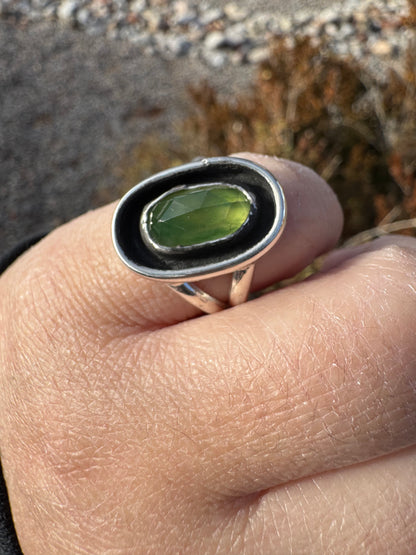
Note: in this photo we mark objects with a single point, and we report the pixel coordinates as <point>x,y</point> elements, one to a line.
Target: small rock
<point>237,58</point>
<point>374,26</point>
<point>381,48</point>
<point>214,40</point>
<point>328,14</point>
<point>257,25</point>
<point>236,35</point>
<point>340,48</point>
<point>180,7</point>
<point>153,19</point>
<point>346,30</point>
<point>142,40</point>
<point>355,48</point>
<point>137,6</point>
<point>196,34</point>
<point>183,14</point>
<point>177,45</point>
<point>83,16</point>
<point>186,19</point>
<point>313,29</point>
<point>234,12</point>
<point>284,24</point>
<point>49,12</point>
<point>359,17</point>
<point>211,16</point>
<point>302,17</point>
<point>258,55</point>
<point>274,24</point>
<point>215,59</point>
<point>67,9</point>
<point>331,30</point>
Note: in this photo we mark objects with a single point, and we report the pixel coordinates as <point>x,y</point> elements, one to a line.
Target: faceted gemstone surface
<point>197,215</point>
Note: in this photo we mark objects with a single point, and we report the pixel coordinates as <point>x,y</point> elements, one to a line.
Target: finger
<point>342,255</point>
<point>314,220</point>
<point>79,259</point>
<point>364,509</point>
<point>313,226</point>
<point>314,377</point>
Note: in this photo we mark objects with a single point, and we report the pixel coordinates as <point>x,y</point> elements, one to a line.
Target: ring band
<point>208,218</point>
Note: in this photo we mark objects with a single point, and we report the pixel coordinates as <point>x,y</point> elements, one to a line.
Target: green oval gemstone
<point>196,215</point>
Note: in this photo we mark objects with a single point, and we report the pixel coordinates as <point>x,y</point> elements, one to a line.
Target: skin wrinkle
<point>321,519</point>
<point>226,532</point>
<point>95,531</point>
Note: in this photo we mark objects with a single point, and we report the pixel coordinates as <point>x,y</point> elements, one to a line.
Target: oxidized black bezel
<point>265,226</point>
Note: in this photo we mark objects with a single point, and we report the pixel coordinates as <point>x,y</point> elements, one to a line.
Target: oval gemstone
<point>197,215</point>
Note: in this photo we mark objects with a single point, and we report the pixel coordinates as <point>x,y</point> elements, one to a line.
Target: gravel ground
<point>70,109</point>
<point>78,91</point>
<point>220,34</point>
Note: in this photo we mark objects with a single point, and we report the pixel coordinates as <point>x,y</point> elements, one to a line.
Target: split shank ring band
<point>204,219</point>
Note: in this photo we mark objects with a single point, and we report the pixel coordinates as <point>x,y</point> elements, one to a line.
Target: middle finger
<point>314,377</point>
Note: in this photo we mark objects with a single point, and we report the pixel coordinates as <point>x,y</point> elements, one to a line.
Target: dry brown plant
<point>330,113</point>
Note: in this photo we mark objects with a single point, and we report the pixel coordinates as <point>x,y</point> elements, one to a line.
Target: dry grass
<point>323,111</point>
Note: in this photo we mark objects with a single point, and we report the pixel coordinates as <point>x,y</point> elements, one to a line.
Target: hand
<point>284,425</point>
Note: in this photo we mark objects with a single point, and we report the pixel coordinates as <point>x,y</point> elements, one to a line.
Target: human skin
<point>132,424</point>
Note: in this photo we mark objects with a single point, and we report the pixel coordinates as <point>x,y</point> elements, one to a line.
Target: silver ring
<point>204,219</point>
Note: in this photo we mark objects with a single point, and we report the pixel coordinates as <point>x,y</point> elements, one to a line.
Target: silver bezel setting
<point>267,224</point>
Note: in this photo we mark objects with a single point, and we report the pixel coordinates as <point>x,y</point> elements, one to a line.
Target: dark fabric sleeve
<point>10,256</point>
<point>9,544</point>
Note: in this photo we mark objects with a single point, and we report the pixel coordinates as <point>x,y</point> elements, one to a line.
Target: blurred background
<point>97,94</point>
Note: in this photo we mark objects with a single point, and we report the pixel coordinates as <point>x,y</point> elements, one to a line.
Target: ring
<point>207,218</point>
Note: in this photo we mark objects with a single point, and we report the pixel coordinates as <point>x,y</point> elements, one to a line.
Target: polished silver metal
<point>236,255</point>
<point>202,300</point>
<point>240,285</point>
